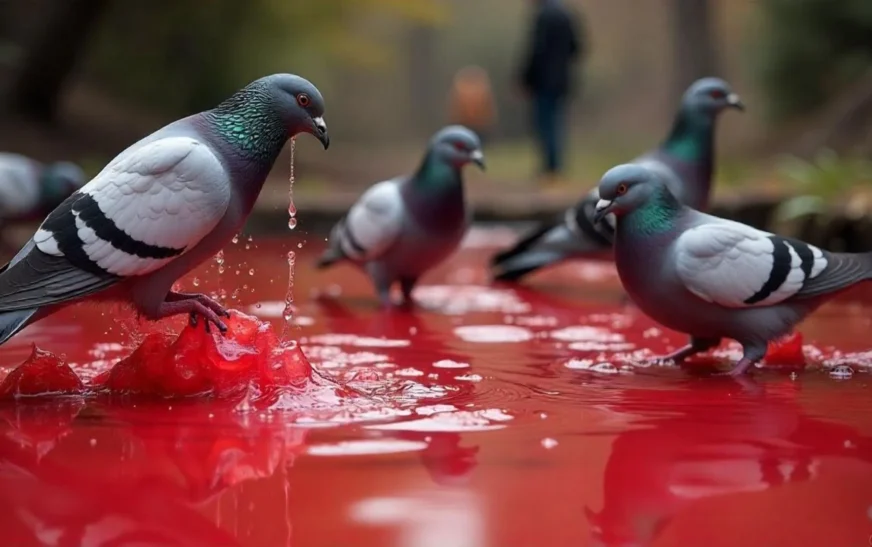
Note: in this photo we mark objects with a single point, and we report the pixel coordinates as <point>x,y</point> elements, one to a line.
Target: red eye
<point>621,189</point>
<point>717,94</point>
<point>303,100</point>
<point>460,146</point>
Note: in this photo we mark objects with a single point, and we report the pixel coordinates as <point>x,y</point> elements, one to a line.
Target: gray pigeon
<point>160,208</point>
<point>402,227</point>
<point>29,190</point>
<point>713,278</point>
<point>685,160</point>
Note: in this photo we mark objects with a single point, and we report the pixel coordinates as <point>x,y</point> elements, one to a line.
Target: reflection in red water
<point>487,417</point>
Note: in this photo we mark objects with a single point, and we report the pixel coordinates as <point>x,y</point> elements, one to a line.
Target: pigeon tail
<point>13,321</point>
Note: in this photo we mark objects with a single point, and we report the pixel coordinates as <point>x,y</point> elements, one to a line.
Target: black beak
<point>321,132</point>
<point>477,157</point>
<point>735,102</point>
<point>603,207</point>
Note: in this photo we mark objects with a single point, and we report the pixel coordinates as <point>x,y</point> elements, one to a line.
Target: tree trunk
<point>694,43</point>
<point>51,56</point>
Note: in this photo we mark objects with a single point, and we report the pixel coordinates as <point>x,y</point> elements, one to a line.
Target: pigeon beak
<point>735,101</point>
<point>477,157</point>
<point>603,207</point>
<point>321,132</point>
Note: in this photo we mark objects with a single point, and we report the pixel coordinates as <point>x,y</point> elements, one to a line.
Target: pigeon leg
<point>382,282</point>
<point>697,345</point>
<point>201,298</point>
<point>407,284</point>
<point>191,306</point>
<point>752,353</point>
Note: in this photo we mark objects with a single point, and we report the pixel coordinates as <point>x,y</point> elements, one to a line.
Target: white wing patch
<point>736,266</point>
<point>167,193</point>
<point>374,222</point>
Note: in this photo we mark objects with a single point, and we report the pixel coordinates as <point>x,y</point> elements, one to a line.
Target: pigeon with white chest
<point>160,208</point>
<point>685,160</point>
<point>712,278</point>
<point>401,228</point>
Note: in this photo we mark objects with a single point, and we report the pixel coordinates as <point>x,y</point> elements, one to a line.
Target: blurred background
<point>82,79</point>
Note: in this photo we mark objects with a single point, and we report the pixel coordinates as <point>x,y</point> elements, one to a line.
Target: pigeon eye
<point>460,146</point>
<point>621,189</point>
<point>303,100</point>
<point>717,94</point>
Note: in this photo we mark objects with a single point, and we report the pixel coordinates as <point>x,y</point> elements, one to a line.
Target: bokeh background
<point>82,79</point>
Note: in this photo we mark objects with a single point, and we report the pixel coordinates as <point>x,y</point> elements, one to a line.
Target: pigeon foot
<point>194,307</point>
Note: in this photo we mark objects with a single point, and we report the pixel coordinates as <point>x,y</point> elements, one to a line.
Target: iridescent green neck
<point>692,135</point>
<point>249,123</point>
<point>656,216</point>
<point>436,174</point>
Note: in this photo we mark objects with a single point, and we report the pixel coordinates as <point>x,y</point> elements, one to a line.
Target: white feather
<point>169,193</point>
<point>727,263</point>
<point>374,221</point>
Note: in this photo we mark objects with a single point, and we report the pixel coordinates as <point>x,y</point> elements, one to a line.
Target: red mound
<point>197,362</point>
<point>41,374</point>
<point>786,352</point>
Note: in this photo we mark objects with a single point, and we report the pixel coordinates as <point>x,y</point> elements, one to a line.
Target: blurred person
<point>471,101</point>
<point>556,43</point>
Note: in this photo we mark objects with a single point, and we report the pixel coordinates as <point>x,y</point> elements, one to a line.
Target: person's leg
<point>559,124</point>
<point>546,126</point>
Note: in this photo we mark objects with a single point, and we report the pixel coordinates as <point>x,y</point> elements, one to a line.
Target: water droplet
<point>292,209</point>
<point>235,294</point>
<point>247,246</point>
<point>211,415</point>
<point>288,312</point>
<point>793,376</point>
<point>549,443</point>
<point>300,245</point>
<point>237,272</point>
<point>841,372</point>
<point>251,271</point>
<point>93,442</point>
<point>244,287</point>
<point>219,259</point>
<point>235,239</point>
<point>542,415</point>
<point>292,223</point>
<point>258,305</point>
<point>196,281</point>
<point>250,239</point>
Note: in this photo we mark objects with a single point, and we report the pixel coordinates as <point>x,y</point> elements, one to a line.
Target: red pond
<point>489,416</point>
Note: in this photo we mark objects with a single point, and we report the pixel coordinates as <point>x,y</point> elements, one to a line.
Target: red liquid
<point>470,427</point>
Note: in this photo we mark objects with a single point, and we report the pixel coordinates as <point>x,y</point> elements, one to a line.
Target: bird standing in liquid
<point>161,207</point>
<point>685,160</point>
<point>713,278</point>
<point>403,227</point>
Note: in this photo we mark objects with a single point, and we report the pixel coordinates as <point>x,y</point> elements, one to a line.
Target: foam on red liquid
<point>193,363</point>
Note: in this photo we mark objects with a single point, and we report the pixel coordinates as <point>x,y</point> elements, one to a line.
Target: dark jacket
<point>554,45</point>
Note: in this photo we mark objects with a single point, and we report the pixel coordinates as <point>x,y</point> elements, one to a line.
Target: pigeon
<point>159,208</point>
<point>685,160</point>
<point>402,227</point>
<point>713,278</point>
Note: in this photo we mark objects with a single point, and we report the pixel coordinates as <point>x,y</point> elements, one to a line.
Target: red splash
<point>41,374</point>
<point>196,362</point>
<point>786,352</point>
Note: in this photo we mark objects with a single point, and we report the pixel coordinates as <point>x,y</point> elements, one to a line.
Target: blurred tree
<point>694,43</point>
<point>810,50</point>
<point>207,53</point>
<point>51,56</point>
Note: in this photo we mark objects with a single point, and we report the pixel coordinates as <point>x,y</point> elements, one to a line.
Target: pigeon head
<point>258,119</point>
<point>58,181</point>
<point>299,104</point>
<point>626,188</point>
<point>710,96</point>
<point>457,146</point>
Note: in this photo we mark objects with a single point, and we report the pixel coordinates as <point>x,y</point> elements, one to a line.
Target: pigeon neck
<point>436,174</point>
<point>656,216</point>
<point>250,125</point>
<point>692,136</point>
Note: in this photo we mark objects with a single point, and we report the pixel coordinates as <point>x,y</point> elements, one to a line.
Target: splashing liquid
<point>219,260</point>
<point>288,313</point>
<point>292,209</point>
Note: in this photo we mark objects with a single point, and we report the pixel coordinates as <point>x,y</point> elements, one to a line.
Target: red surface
<point>487,417</point>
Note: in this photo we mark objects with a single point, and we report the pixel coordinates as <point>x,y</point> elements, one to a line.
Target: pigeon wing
<point>147,207</point>
<point>373,223</point>
<point>736,266</point>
